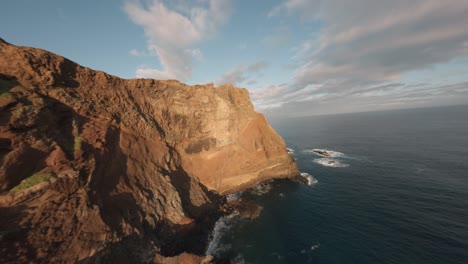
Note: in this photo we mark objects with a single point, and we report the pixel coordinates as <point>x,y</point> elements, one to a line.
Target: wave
<point>327,162</point>
<point>222,226</point>
<point>261,189</point>
<point>239,259</point>
<point>309,250</point>
<point>290,151</point>
<point>233,197</point>
<point>314,247</point>
<point>310,179</point>
<point>325,153</point>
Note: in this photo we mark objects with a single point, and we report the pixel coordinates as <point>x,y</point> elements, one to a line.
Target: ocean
<point>393,189</point>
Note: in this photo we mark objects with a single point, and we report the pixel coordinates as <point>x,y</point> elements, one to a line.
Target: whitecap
<point>310,179</point>
<point>324,153</point>
<point>314,247</point>
<point>327,162</point>
<point>290,151</point>
<point>215,247</point>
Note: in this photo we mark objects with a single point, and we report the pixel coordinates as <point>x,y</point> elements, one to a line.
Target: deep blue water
<point>403,198</point>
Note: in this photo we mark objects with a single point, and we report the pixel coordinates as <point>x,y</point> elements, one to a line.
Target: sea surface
<point>395,191</point>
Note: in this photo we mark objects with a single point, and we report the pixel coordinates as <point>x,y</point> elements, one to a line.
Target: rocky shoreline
<point>95,168</point>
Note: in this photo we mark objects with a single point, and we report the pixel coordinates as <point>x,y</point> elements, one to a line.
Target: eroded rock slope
<point>94,167</point>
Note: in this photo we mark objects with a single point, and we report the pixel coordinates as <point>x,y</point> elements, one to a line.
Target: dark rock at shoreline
<point>244,208</point>
<point>323,153</point>
<point>95,168</point>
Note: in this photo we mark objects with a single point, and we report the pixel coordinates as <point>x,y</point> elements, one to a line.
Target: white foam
<point>324,153</point>
<point>290,150</point>
<point>239,259</point>
<point>261,189</point>
<point>310,179</point>
<point>233,197</point>
<point>314,247</point>
<point>327,162</point>
<point>221,227</point>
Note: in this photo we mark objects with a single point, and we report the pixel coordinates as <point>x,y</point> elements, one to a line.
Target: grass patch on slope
<point>77,145</point>
<point>5,87</point>
<point>35,179</point>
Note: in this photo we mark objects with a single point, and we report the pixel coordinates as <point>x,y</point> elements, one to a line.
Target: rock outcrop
<point>98,168</point>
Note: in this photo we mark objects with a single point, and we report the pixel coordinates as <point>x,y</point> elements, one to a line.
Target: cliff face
<point>116,163</point>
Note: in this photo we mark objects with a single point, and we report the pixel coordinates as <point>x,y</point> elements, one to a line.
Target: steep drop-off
<point>98,168</point>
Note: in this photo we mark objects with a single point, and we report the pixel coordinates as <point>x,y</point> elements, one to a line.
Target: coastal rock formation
<point>98,168</point>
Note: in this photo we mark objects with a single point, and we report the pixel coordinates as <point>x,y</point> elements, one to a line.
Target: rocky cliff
<point>98,168</point>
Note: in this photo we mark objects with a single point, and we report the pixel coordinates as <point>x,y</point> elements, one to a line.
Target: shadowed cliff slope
<point>94,167</point>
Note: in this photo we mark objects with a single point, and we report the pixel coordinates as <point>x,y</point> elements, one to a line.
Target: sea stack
<point>98,168</point>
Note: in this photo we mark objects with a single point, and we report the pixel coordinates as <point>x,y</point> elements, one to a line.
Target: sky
<point>296,57</point>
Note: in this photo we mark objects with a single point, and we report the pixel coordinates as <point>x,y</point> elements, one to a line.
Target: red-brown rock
<point>137,166</point>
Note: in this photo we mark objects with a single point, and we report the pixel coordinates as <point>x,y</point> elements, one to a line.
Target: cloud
<point>365,45</point>
<point>172,29</point>
<point>243,73</point>
<point>195,53</point>
<point>140,53</point>
<point>135,52</point>
<point>451,94</point>
<point>306,8</point>
<point>251,82</point>
<point>379,40</point>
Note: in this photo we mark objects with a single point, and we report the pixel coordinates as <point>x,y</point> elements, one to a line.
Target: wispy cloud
<point>140,53</point>
<point>243,73</point>
<point>366,46</point>
<point>172,30</point>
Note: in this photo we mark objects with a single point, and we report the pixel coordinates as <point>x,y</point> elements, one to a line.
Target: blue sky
<point>296,57</point>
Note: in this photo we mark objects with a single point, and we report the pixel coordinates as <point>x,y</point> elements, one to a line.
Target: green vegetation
<point>35,179</point>
<point>73,148</point>
<point>77,146</point>
<point>5,87</point>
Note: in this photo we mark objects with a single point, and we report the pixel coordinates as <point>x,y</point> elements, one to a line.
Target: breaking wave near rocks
<point>331,163</point>
<point>216,246</point>
<point>310,179</point>
<point>324,153</point>
<point>329,158</point>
